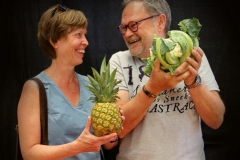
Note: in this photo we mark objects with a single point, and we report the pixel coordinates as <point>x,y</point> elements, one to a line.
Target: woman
<point>61,35</point>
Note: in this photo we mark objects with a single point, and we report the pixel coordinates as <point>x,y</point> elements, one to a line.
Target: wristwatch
<point>196,83</point>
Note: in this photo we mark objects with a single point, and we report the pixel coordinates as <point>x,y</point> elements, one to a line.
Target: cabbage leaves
<point>173,51</point>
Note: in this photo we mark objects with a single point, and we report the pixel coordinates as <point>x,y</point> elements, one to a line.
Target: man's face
<point>138,41</point>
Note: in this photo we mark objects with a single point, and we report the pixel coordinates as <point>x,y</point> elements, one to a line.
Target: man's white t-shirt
<point>171,129</point>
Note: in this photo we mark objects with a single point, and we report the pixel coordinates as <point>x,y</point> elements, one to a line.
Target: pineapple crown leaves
<point>103,84</point>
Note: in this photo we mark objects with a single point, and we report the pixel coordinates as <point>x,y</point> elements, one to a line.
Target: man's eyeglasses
<point>59,7</point>
<point>132,25</point>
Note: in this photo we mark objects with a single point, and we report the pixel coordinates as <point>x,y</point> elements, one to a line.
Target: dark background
<point>21,58</point>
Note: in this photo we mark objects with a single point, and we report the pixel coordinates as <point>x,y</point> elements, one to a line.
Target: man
<point>163,112</point>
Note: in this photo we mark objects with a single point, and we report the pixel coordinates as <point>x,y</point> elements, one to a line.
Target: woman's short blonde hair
<point>56,23</point>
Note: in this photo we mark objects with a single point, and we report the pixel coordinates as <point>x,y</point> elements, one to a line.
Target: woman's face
<point>70,49</point>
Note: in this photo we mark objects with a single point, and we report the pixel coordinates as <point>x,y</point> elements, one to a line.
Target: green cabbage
<point>173,51</point>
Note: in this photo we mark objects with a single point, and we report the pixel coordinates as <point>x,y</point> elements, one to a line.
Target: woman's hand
<point>88,142</point>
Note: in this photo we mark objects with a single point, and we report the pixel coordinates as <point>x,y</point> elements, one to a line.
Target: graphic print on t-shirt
<point>173,100</point>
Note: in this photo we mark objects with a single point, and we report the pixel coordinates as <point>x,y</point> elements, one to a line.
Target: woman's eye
<point>78,35</point>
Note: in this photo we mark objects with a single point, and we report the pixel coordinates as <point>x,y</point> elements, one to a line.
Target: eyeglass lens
<point>132,25</point>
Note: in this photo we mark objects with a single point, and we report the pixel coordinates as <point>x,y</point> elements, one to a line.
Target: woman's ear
<point>55,45</point>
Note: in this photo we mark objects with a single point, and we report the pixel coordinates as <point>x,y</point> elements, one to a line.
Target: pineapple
<point>106,117</point>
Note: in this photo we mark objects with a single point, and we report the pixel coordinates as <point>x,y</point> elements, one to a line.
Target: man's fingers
<point>156,64</point>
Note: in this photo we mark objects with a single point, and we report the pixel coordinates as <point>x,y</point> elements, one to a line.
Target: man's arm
<point>208,105</point>
<point>134,110</point>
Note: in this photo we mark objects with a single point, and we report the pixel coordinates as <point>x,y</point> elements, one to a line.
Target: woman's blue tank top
<point>66,122</point>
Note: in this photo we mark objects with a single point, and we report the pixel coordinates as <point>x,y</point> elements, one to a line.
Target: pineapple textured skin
<point>106,119</point>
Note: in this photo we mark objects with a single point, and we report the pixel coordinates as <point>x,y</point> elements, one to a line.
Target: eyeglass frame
<point>136,22</point>
<point>60,8</point>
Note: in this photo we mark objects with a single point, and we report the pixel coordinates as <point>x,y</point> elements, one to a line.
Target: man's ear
<point>161,20</point>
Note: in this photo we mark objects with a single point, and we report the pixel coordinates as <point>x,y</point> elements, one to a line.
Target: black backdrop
<point>22,58</point>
